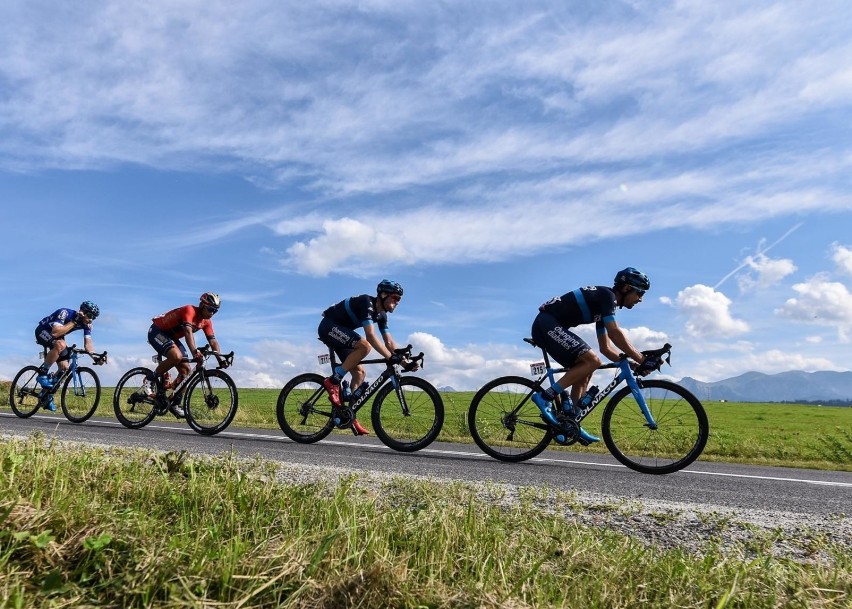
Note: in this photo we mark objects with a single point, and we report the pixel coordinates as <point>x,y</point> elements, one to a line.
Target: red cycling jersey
<point>175,321</point>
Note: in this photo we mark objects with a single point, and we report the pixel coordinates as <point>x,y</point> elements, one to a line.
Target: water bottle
<point>586,400</point>
<point>344,390</point>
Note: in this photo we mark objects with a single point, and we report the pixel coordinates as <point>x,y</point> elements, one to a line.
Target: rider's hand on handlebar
<point>648,366</point>
<point>395,358</point>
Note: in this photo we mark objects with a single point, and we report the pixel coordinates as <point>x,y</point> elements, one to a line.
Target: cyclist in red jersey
<point>165,336</point>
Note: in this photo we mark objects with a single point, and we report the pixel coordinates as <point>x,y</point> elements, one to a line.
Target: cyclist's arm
<point>377,343</point>
<point>614,335</point>
<point>214,344</point>
<point>87,344</point>
<point>190,341</point>
<point>58,330</point>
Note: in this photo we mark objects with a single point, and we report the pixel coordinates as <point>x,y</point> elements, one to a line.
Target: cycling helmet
<point>634,278</point>
<point>90,309</point>
<point>391,287</point>
<point>211,299</point>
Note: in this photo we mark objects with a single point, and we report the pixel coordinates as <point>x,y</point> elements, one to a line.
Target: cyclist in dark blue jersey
<point>50,333</point>
<point>338,330</point>
<point>591,304</point>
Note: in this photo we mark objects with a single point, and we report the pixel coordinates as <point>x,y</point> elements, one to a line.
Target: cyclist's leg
<point>172,351</point>
<point>571,352</point>
<point>343,341</point>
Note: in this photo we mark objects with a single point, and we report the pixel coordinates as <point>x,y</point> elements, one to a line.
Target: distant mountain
<point>794,386</point>
<point>445,389</point>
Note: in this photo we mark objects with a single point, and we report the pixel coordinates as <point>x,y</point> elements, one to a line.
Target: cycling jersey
<point>174,323</point>
<point>357,312</point>
<point>583,306</point>
<point>61,317</point>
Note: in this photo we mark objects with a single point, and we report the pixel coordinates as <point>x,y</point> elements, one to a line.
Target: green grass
<point>85,527</point>
<point>791,435</point>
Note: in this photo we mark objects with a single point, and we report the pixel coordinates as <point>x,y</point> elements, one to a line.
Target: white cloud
<point>347,244</point>
<point>842,257</point>
<point>764,272</point>
<point>707,312</point>
<point>821,302</point>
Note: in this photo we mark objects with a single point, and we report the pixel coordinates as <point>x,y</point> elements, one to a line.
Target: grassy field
<point>788,435</point>
<point>84,527</point>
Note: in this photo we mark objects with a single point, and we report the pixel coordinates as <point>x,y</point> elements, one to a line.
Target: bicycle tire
<point>681,433</point>
<point>79,403</point>
<point>133,401</point>
<point>413,431</point>
<point>495,413</point>
<point>209,412</point>
<point>304,409</point>
<point>24,392</point>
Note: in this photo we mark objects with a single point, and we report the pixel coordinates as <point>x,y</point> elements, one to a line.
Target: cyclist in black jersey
<point>591,304</point>
<point>337,330</point>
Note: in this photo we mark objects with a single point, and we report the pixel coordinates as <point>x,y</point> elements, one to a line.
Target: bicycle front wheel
<point>304,409</point>
<point>679,437</point>
<point>409,418</point>
<point>505,423</point>
<point>211,402</point>
<point>24,392</point>
<point>134,398</point>
<point>80,397</point>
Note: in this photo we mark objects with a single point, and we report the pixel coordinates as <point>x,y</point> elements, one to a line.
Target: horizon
<point>486,160</point>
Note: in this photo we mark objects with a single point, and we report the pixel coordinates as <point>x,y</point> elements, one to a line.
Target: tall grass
<point>89,527</point>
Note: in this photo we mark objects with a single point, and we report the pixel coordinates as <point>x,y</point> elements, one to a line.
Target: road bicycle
<point>651,426</point>
<point>208,396</point>
<point>407,412</point>
<point>78,386</point>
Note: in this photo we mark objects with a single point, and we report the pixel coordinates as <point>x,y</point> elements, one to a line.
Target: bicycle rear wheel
<point>79,400</point>
<point>414,427</point>
<point>211,402</point>
<point>505,423</point>
<point>24,392</point>
<point>134,398</point>
<point>304,409</point>
<point>679,438</point>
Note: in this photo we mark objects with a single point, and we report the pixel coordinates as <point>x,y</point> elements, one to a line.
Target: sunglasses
<point>212,309</point>
<point>639,293</point>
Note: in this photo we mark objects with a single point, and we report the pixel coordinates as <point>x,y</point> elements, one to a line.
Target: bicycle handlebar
<point>405,352</point>
<point>224,359</point>
<point>97,358</point>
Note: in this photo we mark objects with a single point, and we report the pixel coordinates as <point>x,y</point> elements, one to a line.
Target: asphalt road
<point>711,484</point>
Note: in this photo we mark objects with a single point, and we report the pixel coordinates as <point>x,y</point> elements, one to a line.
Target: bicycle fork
<point>628,375</point>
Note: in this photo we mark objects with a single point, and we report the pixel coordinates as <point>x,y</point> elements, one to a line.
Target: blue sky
<point>487,155</point>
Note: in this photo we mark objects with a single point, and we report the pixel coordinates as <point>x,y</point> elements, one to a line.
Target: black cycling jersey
<point>583,306</point>
<point>357,312</point>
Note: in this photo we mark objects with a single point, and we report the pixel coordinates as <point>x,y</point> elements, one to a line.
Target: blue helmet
<point>634,278</point>
<point>388,286</point>
<point>90,309</point>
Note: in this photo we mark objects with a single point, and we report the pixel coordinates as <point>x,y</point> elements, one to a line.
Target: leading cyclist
<point>550,330</point>
<point>51,332</point>
<point>337,330</point>
<point>181,323</point>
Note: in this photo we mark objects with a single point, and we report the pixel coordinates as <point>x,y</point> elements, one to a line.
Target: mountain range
<point>793,386</point>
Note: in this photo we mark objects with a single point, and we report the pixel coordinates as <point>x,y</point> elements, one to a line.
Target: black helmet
<point>89,309</point>
<point>634,278</point>
<point>391,287</point>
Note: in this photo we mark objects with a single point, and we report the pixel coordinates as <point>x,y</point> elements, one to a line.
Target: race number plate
<point>323,359</point>
<point>537,368</point>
